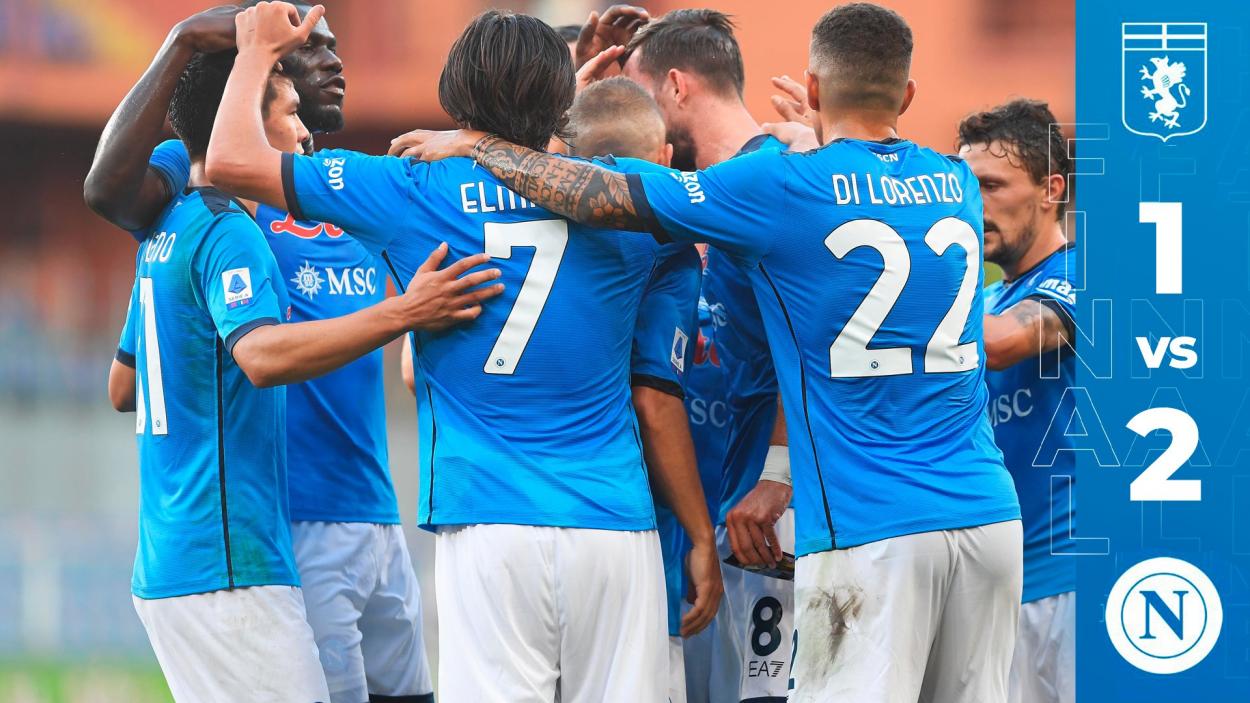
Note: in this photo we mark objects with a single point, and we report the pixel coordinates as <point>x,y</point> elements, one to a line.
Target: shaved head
<point>861,54</point>
<point>616,116</point>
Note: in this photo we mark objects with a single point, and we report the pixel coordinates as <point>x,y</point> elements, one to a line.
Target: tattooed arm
<point>1027,329</point>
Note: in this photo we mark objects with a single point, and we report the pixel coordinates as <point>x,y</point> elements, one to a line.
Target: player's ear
<point>665,157</point>
<point>813,90</point>
<point>908,94</point>
<point>678,84</point>
<point>1055,191</point>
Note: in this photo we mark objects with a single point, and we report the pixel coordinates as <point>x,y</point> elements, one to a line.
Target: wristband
<point>777,464</point>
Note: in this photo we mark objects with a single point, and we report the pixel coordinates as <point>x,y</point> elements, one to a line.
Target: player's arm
<point>667,320</point>
<point>121,187</point>
<point>1025,330</point>
<point>273,354</point>
<point>751,524</point>
<point>732,205</point>
<point>121,385</point>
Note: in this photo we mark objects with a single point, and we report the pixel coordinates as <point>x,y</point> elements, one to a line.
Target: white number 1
<point>152,366</point>
<point>1167,221</point>
<point>549,239</point>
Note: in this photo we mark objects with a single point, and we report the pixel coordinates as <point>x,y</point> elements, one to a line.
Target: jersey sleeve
<point>170,161</point>
<point>734,205</point>
<point>667,321</point>
<point>126,344</point>
<point>1056,291</point>
<point>358,192</point>
<point>233,270</point>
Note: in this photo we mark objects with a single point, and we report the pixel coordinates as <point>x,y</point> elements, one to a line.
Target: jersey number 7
<point>549,239</point>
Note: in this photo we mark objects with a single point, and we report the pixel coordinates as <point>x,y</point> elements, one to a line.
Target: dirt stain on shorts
<point>832,614</point>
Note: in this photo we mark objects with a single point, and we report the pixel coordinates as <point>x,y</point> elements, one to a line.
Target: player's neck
<point>1049,241</point>
<point>868,126</point>
<point>198,178</point>
<point>727,128</point>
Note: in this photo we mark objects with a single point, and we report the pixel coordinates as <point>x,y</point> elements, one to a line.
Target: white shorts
<point>542,614</point>
<point>745,654</point>
<point>1043,669</point>
<point>364,606</point>
<point>924,617</point>
<point>246,644</point>
<point>676,671</point>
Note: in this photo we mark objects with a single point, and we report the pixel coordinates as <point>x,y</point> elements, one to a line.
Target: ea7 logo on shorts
<point>1164,615</point>
<point>237,284</point>
<point>334,172</point>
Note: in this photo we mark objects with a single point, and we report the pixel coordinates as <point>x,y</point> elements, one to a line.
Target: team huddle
<point>709,410</point>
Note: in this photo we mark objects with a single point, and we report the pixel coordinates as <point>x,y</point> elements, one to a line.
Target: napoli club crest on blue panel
<point>1164,78</point>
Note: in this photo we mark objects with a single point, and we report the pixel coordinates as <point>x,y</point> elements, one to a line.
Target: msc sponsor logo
<point>347,280</point>
<point>1164,615</point>
<point>1009,406</point>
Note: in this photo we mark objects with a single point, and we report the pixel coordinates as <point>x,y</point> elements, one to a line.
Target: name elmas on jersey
<point>858,188</point>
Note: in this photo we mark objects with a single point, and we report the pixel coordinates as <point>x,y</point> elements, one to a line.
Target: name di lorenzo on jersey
<point>308,279</point>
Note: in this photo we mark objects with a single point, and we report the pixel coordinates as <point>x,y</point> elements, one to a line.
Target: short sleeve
<point>667,321</point>
<point>170,161</point>
<point>734,205</point>
<point>235,272</point>
<point>358,192</point>
<point>1055,291</point>
<point>126,344</point>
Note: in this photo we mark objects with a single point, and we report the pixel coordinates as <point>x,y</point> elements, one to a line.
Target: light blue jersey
<point>525,415</point>
<point>707,406</point>
<point>336,423</point>
<point>662,341</point>
<point>869,257</point>
<point>751,382</point>
<point>212,466</point>
<point>1023,400</point>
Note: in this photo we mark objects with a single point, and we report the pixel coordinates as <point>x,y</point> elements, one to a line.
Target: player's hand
<point>597,68</point>
<point>705,588</point>
<point>751,524</point>
<point>274,28</point>
<point>440,298</point>
<point>209,31</point>
<point>615,27</point>
<point>796,135</point>
<point>792,103</point>
<point>431,145</point>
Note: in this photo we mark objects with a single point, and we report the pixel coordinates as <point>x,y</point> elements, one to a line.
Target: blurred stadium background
<point>68,478</point>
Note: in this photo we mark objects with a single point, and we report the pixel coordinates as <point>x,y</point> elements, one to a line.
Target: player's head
<point>569,33</point>
<point>860,62</point>
<point>617,116</point>
<point>193,108</point>
<point>511,75</point>
<point>317,72</point>
<point>684,58</point>
<point>1021,159</point>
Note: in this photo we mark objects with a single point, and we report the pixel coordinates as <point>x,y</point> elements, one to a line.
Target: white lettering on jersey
<point>694,189</point>
<point>921,189</point>
<point>490,197</point>
<point>352,280</point>
<point>334,172</point>
<point>1009,406</point>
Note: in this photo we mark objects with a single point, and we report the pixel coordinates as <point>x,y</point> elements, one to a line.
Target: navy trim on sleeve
<point>662,385</point>
<point>125,358</point>
<point>246,327</point>
<point>288,186</point>
<point>638,194</point>
<point>1059,310</point>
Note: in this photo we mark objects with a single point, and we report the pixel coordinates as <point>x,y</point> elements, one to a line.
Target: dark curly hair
<point>511,75</point>
<point>1027,134</point>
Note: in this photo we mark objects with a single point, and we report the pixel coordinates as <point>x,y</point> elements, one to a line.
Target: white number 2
<point>549,239</point>
<point>1156,482</point>
<point>152,366</point>
<point>849,355</point>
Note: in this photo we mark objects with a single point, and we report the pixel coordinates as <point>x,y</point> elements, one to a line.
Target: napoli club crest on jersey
<point>1164,78</point>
